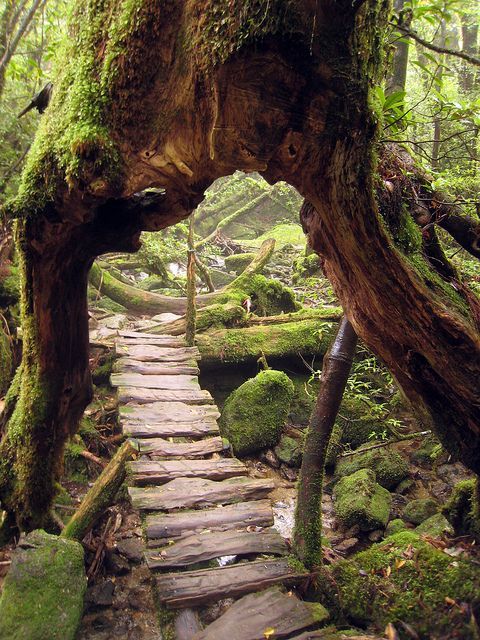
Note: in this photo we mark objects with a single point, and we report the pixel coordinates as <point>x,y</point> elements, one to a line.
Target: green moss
<point>220,315</point>
<point>6,360</point>
<point>103,371</point>
<point>269,297</point>
<point>360,500</point>
<point>416,511</point>
<point>436,525</point>
<point>254,414</point>
<point>285,233</point>
<point>358,424</point>
<point>10,288</point>
<point>462,509</point>
<point>405,579</point>
<point>42,595</point>
<point>289,450</point>
<point>389,466</point>
<point>238,262</point>
<point>395,526</point>
<point>334,447</point>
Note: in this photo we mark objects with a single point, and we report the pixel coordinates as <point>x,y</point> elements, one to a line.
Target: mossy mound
<point>405,579</point>
<point>255,413</point>
<point>304,267</point>
<point>395,526</point>
<point>360,500</point>
<point>43,592</point>
<point>389,466</point>
<point>238,262</point>
<point>417,511</point>
<point>269,297</point>
<point>462,509</point>
<point>289,450</point>
<point>436,526</point>
<point>357,423</point>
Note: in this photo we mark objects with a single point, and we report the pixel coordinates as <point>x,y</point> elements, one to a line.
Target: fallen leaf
<point>391,632</point>
<point>450,601</point>
<point>388,571</point>
<point>268,633</point>
<point>399,563</point>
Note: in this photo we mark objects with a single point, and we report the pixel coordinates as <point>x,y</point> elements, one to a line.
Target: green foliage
<point>360,500</point>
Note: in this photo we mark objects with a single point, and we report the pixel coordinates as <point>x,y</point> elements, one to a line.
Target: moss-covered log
<point>308,338</point>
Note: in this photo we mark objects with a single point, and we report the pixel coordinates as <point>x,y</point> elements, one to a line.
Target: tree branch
<point>437,49</point>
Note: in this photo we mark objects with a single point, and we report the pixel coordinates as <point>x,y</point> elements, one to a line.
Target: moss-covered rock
<point>462,509</point>
<point>43,592</point>
<point>436,525</point>
<point>269,297</point>
<point>238,262</point>
<point>404,579</point>
<point>289,450</point>
<point>428,451</point>
<point>255,413</point>
<point>360,500</point>
<point>417,511</point>
<point>389,466</point>
<point>395,526</point>
<point>358,424</point>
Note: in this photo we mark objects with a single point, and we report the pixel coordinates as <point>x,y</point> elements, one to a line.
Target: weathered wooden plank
<point>140,395</point>
<point>206,546</point>
<point>168,412</point>
<point>127,365</point>
<point>198,492</point>
<point>243,514</point>
<point>199,429</point>
<point>249,617</point>
<point>150,336</point>
<point>194,588</point>
<point>154,353</point>
<point>145,472</point>
<point>127,379</point>
<point>160,448</point>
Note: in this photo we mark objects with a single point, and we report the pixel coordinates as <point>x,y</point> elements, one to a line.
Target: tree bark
<point>308,516</point>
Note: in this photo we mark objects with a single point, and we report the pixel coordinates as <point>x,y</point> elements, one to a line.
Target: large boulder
<point>389,466</point>
<point>255,413</point>
<point>417,511</point>
<point>360,500</point>
<point>42,596</point>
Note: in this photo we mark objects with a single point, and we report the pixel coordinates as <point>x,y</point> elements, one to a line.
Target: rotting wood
<point>154,381</point>
<point>249,617</point>
<point>196,492</point>
<point>194,588</point>
<point>206,546</point>
<point>169,412</point>
<point>145,472</point>
<point>140,395</point>
<point>127,365</point>
<point>256,513</point>
<point>146,353</point>
<point>158,447</point>
<point>199,429</point>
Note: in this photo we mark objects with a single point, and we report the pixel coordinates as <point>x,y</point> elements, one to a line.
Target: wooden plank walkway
<point>198,503</point>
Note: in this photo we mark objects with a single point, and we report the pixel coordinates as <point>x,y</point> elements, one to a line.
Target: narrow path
<point>198,502</point>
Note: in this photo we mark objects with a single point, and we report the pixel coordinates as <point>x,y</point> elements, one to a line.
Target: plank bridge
<point>198,503</point>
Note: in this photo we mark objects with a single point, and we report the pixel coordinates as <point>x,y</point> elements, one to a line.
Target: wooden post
<point>191,315</point>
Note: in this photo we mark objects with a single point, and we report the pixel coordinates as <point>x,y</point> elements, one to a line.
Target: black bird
<point>40,101</point>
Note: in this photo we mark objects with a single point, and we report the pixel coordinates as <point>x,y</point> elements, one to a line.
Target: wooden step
<point>146,472</point>
<point>206,546</point>
<point>175,342</point>
<point>194,588</point>
<point>256,513</point>
<point>153,353</point>
<point>198,492</point>
<point>160,448</point>
<point>158,412</point>
<point>154,382</point>
<point>198,429</point>
<point>123,333</point>
<point>127,365</point>
<point>140,395</point>
<point>252,615</point>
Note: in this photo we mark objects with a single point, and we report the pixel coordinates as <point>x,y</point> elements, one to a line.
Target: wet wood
<point>199,429</point>
<point>149,353</point>
<point>127,365</point>
<point>154,382</point>
<point>144,472</point>
<point>206,546</point>
<point>195,492</point>
<point>243,514</point>
<point>194,588</point>
<point>249,617</point>
<point>140,337</point>
<point>168,411</point>
<point>187,624</point>
<point>158,447</point>
<point>140,395</point>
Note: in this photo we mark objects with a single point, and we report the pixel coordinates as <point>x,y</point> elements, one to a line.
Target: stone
<point>435,526</point>
<point>394,526</point>
<point>360,500</point>
<point>271,459</point>
<point>389,466</point>
<point>131,548</point>
<point>101,594</point>
<point>289,450</point>
<point>416,511</point>
<point>116,564</point>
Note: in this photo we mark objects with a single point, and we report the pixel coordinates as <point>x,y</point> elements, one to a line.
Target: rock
<point>436,526</point>
<point>255,413</point>
<point>288,473</point>
<point>43,592</point>
<point>346,545</point>
<point>398,505</point>
<point>389,466</point>
<point>116,564</point>
<point>360,500</point>
<point>131,548</point>
<point>404,486</point>
<point>101,594</point>
<point>289,450</point>
<point>394,526</point>
<point>375,536</point>
<point>358,425</point>
<point>463,511</point>
<point>416,511</point>
<point>271,459</point>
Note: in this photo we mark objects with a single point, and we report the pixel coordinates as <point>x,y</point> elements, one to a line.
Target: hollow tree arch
<point>173,94</point>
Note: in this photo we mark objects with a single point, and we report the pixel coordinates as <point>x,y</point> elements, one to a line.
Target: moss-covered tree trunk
<point>173,96</point>
<point>308,516</point>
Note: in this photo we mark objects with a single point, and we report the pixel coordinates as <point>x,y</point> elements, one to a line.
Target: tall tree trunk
<point>437,123</point>
<point>308,516</point>
<point>398,76</point>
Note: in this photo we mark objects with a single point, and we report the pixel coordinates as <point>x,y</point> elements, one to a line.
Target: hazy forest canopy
<point>255,227</point>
